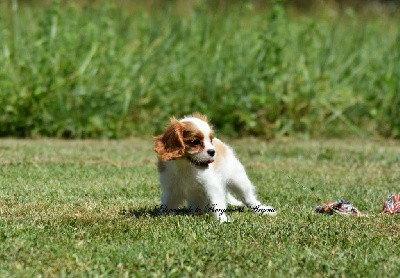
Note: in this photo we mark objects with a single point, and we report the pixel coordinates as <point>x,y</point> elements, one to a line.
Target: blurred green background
<point>112,69</point>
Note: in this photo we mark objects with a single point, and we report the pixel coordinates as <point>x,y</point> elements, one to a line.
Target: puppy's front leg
<point>170,199</point>
<point>217,204</point>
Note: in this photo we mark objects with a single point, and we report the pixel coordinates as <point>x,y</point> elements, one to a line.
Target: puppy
<point>198,168</point>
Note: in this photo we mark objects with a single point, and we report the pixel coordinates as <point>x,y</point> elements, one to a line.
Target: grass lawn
<point>84,208</point>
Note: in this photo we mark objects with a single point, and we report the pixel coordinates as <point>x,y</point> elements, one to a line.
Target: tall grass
<point>102,71</point>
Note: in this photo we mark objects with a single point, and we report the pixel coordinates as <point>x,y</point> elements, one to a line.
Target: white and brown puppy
<point>198,168</point>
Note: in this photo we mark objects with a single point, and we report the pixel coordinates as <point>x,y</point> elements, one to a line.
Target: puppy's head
<point>190,138</point>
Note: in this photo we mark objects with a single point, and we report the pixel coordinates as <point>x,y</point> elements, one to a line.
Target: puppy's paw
<point>224,219</point>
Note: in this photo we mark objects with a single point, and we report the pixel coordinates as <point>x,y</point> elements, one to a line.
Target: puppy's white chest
<point>195,182</point>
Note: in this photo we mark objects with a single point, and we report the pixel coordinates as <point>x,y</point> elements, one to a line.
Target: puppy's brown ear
<point>170,145</point>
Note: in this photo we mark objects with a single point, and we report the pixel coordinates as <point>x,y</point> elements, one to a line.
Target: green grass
<point>81,71</point>
<point>84,208</point>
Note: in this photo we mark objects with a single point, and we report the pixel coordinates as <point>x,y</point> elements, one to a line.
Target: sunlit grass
<point>85,208</point>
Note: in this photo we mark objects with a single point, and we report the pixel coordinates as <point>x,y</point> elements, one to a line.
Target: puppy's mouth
<point>203,164</point>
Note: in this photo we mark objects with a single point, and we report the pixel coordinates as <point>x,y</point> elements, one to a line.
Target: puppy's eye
<point>196,142</point>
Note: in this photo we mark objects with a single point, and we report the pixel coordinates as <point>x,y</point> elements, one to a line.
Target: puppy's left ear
<point>170,145</point>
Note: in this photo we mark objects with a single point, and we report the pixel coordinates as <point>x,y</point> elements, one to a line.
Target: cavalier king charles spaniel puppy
<point>198,168</point>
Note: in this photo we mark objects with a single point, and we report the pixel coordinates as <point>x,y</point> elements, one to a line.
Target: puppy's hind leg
<point>240,184</point>
<point>233,201</point>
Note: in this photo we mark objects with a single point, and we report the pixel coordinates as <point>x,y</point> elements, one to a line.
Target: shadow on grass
<point>151,212</point>
<point>158,211</point>
<point>145,212</point>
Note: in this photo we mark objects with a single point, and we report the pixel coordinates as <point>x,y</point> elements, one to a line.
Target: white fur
<point>208,189</point>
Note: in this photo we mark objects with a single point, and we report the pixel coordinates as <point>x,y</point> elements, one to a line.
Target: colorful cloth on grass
<point>392,204</point>
<point>341,207</point>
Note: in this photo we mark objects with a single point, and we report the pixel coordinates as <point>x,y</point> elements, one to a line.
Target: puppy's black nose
<point>211,152</point>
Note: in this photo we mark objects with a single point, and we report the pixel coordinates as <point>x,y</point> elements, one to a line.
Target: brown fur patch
<point>190,134</point>
<point>212,136</point>
<point>221,152</point>
<point>170,145</point>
